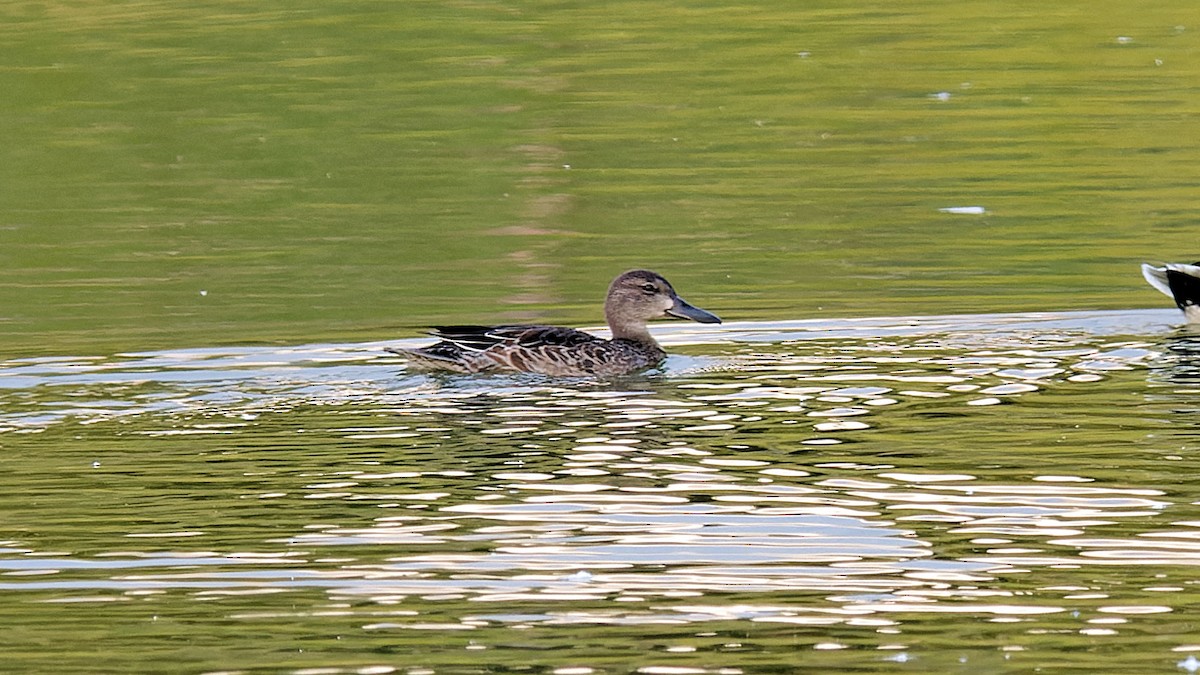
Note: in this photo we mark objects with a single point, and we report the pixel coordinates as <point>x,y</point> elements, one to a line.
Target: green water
<point>1003,493</point>
<point>339,171</point>
<point>214,215</point>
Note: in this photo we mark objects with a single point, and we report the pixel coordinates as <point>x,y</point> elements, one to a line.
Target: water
<point>973,491</point>
<point>216,173</point>
<point>947,428</point>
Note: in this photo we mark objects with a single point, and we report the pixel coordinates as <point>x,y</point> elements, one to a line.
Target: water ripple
<point>868,471</point>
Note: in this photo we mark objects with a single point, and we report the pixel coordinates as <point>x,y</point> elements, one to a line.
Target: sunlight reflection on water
<point>724,474</point>
<point>859,363</point>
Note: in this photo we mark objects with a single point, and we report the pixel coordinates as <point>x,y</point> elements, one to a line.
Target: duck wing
<point>549,350</point>
<point>480,349</point>
<point>480,338</point>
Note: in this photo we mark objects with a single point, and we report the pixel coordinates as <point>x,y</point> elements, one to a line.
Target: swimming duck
<point>1179,282</point>
<point>633,298</point>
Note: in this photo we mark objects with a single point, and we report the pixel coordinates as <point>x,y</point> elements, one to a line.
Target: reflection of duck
<point>634,298</point>
<point>1182,365</point>
<point>1180,282</point>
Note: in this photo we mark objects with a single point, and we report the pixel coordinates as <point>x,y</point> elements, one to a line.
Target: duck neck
<point>630,330</point>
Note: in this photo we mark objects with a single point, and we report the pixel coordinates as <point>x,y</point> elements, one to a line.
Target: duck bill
<point>682,310</point>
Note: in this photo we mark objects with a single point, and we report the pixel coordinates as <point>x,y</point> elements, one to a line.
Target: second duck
<point>1181,283</point>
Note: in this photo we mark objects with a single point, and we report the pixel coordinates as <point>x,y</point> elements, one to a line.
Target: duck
<point>634,297</point>
<point>1181,283</point>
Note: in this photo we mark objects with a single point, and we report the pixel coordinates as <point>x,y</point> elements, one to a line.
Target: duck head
<point>638,296</point>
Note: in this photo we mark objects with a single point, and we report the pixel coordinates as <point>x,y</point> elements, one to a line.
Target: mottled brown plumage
<point>634,298</point>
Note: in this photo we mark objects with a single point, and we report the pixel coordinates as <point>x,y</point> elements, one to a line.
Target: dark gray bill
<point>683,310</point>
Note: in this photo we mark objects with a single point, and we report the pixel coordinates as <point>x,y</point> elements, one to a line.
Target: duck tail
<point>1179,282</point>
<point>1157,277</point>
<point>444,356</point>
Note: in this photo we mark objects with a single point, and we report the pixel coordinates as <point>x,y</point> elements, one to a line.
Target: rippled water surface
<point>215,214</point>
<point>988,492</point>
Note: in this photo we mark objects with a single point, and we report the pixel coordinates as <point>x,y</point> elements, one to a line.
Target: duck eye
<point>649,289</point>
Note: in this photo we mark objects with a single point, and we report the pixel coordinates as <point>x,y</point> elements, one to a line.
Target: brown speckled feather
<point>549,350</point>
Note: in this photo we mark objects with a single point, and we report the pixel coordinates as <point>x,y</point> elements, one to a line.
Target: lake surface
<point>995,492</point>
<point>946,428</point>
